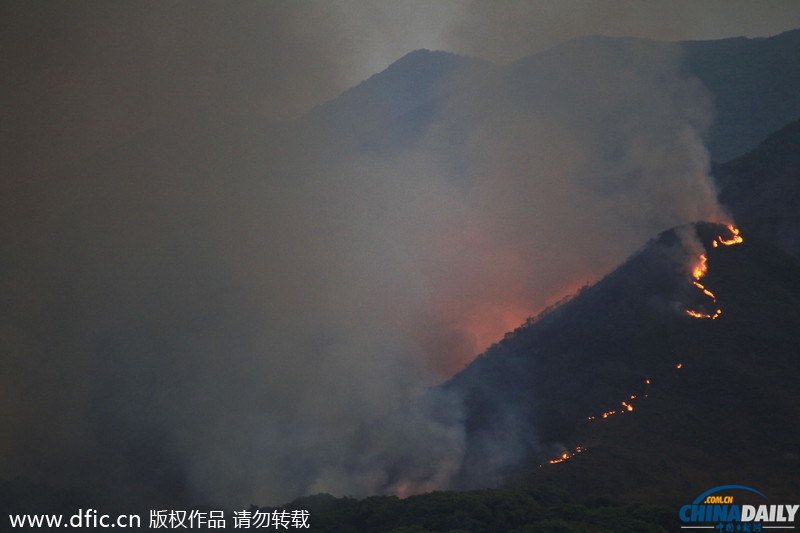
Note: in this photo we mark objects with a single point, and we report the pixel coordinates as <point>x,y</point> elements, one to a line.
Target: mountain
<point>620,395</point>
<point>751,83</point>
<point>201,309</point>
<point>395,104</point>
<point>712,401</point>
<point>762,188</point>
<point>754,83</point>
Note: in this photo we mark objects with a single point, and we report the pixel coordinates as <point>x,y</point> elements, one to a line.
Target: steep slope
<point>762,189</point>
<point>715,400</point>
<point>751,83</point>
<point>147,283</point>
<point>754,83</point>
<point>393,106</point>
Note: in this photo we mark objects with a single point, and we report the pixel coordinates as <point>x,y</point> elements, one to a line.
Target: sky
<point>84,74</point>
<point>200,311</point>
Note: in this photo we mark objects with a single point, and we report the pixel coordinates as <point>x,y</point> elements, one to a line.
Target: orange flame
<point>702,267</point>
<point>735,239</point>
<point>627,406</point>
<point>567,455</point>
<point>705,291</point>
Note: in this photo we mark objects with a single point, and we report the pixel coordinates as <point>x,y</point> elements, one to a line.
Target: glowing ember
<point>567,455</point>
<point>679,365</point>
<point>705,291</point>
<point>627,406</point>
<point>735,239</point>
<point>702,267</point>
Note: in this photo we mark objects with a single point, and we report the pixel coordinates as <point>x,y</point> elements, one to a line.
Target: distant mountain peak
<point>413,80</point>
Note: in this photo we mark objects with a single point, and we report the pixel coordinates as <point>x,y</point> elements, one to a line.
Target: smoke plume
<point>235,309</point>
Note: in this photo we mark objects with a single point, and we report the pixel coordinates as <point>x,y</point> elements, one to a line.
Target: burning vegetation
<point>567,455</point>
<point>701,268</point>
<point>698,271</point>
<point>626,407</point>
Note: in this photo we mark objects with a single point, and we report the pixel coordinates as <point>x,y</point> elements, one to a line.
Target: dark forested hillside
<point>223,307</point>
<point>762,188</point>
<point>754,85</point>
<point>714,399</point>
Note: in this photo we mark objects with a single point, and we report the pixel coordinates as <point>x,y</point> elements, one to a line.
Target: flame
<point>705,291</point>
<point>735,239</point>
<point>627,406</point>
<point>704,315</point>
<point>701,269</point>
<point>567,455</point>
<point>679,365</point>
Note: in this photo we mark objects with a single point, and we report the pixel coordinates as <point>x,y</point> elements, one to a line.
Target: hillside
<point>715,399</point>
<point>762,188</point>
<point>751,84</point>
<point>754,84</point>
<point>223,308</point>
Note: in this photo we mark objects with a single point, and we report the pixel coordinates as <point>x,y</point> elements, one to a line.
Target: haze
<point>199,285</point>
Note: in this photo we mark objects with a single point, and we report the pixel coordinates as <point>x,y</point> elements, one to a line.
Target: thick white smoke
<point>228,309</point>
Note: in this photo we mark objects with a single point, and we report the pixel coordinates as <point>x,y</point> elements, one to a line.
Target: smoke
<point>87,74</point>
<point>231,309</point>
<point>525,27</point>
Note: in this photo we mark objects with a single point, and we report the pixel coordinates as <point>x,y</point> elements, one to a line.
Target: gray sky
<point>216,307</point>
<point>81,75</point>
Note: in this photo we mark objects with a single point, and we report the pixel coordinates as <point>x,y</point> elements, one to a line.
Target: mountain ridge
<point>732,69</point>
<point>674,361</point>
<point>762,188</point>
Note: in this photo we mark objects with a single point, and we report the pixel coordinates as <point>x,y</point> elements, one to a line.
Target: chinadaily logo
<point>737,508</point>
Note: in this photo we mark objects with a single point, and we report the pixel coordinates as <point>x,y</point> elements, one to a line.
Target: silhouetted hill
<point>523,510</point>
<point>762,189</point>
<point>143,289</point>
<point>397,103</point>
<point>715,400</point>
<point>754,83</point>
